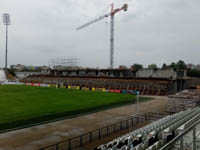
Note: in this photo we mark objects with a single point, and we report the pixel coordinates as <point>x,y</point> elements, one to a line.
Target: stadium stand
<point>2,76</point>
<point>155,135</point>
<point>146,87</point>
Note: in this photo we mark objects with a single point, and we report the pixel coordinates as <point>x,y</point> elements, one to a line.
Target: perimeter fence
<point>100,133</point>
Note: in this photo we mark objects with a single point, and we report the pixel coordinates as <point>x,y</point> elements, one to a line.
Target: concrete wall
<point>143,73</point>
<point>94,72</point>
<point>192,82</point>
<point>156,73</point>
<point>21,75</point>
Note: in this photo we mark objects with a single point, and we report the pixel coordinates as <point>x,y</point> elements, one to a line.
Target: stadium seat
<point>155,135</point>
<point>139,147</point>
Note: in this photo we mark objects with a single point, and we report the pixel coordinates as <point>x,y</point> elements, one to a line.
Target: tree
<point>173,65</point>
<point>181,65</point>
<point>11,71</point>
<point>152,66</point>
<point>193,73</point>
<point>164,66</point>
<point>137,66</point>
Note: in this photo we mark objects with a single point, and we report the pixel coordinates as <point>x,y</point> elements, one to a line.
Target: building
<point>192,66</point>
<point>18,67</point>
<point>22,75</point>
<point>161,73</point>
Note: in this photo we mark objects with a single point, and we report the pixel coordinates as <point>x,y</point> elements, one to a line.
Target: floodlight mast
<point>6,21</point>
<point>112,14</point>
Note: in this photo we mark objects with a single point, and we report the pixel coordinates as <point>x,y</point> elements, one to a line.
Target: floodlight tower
<point>6,21</point>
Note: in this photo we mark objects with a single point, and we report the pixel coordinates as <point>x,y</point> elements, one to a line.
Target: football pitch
<point>24,105</point>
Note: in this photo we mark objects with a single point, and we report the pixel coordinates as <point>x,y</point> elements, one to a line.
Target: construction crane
<point>112,14</point>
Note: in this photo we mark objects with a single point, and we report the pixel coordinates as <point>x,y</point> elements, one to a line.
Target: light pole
<point>6,21</point>
<point>137,105</point>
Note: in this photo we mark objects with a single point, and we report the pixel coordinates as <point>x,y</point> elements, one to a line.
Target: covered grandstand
<point>147,81</point>
<point>145,86</point>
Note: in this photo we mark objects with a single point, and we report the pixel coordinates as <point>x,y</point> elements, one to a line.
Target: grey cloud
<point>151,31</point>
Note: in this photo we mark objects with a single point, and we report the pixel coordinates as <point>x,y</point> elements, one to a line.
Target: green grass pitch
<point>22,105</point>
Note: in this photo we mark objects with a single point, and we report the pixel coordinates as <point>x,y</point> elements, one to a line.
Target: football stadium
<point>126,79</point>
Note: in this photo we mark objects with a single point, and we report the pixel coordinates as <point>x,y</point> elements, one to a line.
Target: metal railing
<point>100,133</point>
<point>183,107</point>
<point>179,143</point>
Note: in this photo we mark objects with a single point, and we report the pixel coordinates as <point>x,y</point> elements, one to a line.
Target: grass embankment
<point>25,105</point>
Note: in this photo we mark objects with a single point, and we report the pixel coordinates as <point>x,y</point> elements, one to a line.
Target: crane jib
<point>93,21</point>
<point>112,13</point>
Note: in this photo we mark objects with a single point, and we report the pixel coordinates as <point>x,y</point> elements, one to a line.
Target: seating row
<point>156,134</point>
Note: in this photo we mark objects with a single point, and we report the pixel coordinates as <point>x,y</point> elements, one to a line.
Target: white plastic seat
<point>124,148</point>
<point>114,147</point>
<point>154,147</point>
<point>159,144</point>
<point>145,144</point>
<point>139,147</point>
<point>181,128</point>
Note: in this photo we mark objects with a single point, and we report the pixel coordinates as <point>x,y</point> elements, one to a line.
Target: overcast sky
<point>151,31</point>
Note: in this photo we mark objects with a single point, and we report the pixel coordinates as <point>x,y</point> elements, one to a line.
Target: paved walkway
<point>39,136</point>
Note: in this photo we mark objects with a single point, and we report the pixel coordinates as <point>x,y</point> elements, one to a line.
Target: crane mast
<point>112,14</point>
<point>112,37</point>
